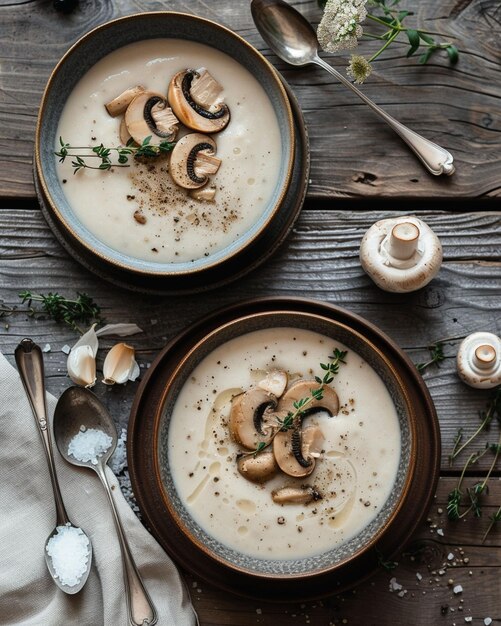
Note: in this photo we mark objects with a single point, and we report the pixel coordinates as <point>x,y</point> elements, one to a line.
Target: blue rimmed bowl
<point>128,270</point>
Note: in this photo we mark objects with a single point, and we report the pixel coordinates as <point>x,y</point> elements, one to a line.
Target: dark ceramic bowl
<point>78,60</point>
<point>190,544</point>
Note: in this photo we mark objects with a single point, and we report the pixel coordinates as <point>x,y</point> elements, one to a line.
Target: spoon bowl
<point>293,39</point>
<point>70,590</point>
<point>78,409</point>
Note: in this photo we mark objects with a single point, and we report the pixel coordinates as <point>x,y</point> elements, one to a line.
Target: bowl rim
<point>52,206</point>
<point>139,454</point>
<point>314,572</point>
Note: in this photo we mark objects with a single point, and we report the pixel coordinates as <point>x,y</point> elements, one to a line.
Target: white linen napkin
<point>28,595</point>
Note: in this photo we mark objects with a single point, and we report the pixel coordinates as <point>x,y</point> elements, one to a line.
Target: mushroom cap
<point>472,368</point>
<point>140,118</point>
<point>258,468</point>
<point>302,389</point>
<point>400,275</point>
<point>183,156</point>
<point>188,112</point>
<point>295,495</point>
<point>275,382</point>
<point>252,420</point>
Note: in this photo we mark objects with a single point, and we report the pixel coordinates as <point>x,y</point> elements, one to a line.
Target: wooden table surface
<point>360,173</point>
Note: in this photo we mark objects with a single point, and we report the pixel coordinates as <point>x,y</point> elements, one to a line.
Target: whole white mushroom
<point>479,360</point>
<point>401,254</point>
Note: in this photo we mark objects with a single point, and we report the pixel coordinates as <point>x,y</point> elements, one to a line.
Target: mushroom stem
<point>484,356</point>
<point>403,240</point>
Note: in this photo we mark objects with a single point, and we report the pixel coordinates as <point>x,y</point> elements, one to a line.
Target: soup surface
<point>354,475</point>
<point>177,227</point>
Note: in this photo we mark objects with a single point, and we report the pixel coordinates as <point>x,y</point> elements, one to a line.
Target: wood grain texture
<point>354,154</point>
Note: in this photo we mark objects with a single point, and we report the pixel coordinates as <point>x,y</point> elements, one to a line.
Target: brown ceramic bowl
<point>117,265</point>
<point>339,567</point>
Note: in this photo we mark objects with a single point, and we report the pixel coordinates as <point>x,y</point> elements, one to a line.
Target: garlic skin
<point>81,363</point>
<point>479,360</point>
<point>120,365</point>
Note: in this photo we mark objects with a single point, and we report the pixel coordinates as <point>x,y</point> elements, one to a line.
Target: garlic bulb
<point>479,360</point>
<point>81,363</point>
<point>120,365</point>
<point>401,254</point>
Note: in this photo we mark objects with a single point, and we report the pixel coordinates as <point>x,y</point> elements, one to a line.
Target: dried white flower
<point>340,26</point>
<point>120,365</point>
<point>359,68</point>
<point>81,361</point>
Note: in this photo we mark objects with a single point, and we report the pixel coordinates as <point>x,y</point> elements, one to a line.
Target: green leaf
<point>426,38</point>
<point>414,41</point>
<point>453,54</point>
<point>425,57</point>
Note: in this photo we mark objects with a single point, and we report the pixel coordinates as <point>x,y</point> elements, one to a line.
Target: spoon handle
<point>139,606</point>
<point>29,361</point>
<point>436,159</point>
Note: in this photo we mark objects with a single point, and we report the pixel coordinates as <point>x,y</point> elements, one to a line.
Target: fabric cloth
<point>28,595</point>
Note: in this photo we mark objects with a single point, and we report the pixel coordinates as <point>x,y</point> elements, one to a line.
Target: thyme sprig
<point>123,153</point>
<point>480,488</point>
<point>61,309</point>
<point>292,419</point>
<point>436,356</point>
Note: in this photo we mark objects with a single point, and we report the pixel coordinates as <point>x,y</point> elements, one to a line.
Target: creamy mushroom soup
<point>172,227</point>
<point>354,473</point>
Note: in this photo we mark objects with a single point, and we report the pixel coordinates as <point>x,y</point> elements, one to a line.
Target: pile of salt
<point>69,553</point>
<point>89,444</point>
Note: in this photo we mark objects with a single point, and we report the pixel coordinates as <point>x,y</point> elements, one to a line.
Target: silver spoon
<point>292,38</point>
<point>29,361</point>
<point>80,407</point>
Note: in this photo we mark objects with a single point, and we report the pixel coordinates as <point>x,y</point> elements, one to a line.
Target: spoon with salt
<point>292,38</point>
<point>86,436</point>
<point>67,547</point>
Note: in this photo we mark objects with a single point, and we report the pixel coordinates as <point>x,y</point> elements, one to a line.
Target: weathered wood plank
<point>354,154</point>
<point>477,570</point>
<point>319,259</point>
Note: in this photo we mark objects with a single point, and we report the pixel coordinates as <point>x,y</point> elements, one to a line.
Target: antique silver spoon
<point>29,361</point>
<point>80,407</point>
<point>292,38</point>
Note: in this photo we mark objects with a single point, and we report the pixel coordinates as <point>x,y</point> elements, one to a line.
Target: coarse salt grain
<point>89,444</point>
<point>458,589</point>
<point>69,553</point>
<point>118,459</point>
<point>66,349</point>
<point>440,532</point>
<point>487,621</point>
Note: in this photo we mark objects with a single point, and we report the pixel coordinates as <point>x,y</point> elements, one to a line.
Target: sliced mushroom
<point>149,115</point>
<point>252,418</point>
<point>206,91</point>
<point>189,112</point>
<point>302,389</point>
<point>295,495</point>
<point>258,468</point>
<point>296,455</point>
<point>124,133</point>
<point>275,382</point>
<point>205,194</point>
<point>186,153</point>
<point>118,105</point>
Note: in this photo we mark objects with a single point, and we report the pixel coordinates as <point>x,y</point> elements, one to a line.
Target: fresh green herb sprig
<point>71,312</point>
<point>476,491</point>
<point>292,419</point>
<point>436,356</point>
<point>123,153</point>
<point>386,564</point>
<point>340,29</point>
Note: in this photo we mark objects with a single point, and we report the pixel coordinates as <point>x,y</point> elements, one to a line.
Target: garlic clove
<point>81,362</point>
<point>81,366</point>
<point>120,365</point>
